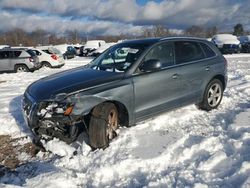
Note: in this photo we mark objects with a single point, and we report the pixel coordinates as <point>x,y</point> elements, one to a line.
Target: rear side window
<point>31,53</point>
<point>37,52</point>
<point>187,51</point>
<point>16,53</point>
<point>207,50</point>
<point>4,54</point>
<point>47,51</point>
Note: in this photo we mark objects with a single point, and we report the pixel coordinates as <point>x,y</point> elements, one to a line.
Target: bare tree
<point>211,31</point>
<point>155,31</point>
<point>196,31</point>
<point>238,29</point>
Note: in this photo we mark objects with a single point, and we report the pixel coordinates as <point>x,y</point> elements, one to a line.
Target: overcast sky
<point>121,16</point>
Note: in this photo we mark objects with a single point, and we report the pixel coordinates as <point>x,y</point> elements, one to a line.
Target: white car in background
<point>49,57</point>
<point>227,43</point>
<point>92,45</point>
<point>101,49</point>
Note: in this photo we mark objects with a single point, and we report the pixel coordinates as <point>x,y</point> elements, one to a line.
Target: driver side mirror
<point>150,65</point>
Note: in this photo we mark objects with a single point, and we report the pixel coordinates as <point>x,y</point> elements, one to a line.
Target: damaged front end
<point>52,118</point>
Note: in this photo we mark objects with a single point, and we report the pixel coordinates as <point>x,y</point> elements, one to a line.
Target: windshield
<point>119,57</point>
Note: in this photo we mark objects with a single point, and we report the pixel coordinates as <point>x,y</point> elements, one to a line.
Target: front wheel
<point>103,125</point>
<point>212,96</point>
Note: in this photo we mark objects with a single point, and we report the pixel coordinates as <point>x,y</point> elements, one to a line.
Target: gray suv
<point>128,83</point>
<point>18,60</point>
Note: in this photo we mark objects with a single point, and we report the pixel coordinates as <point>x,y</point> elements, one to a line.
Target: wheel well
<point>123,113</point>
<point>222,79</point>
<point>44,62</point>
<point>122,110</point>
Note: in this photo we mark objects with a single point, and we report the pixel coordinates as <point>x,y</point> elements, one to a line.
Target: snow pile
<point>182,148</point>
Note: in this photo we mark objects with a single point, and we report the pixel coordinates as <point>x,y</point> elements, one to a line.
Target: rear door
<point>5,60</point>
<point>15,58</point>
<point>194,69</point>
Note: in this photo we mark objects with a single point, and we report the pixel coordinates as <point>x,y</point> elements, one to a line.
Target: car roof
<point>155,40</point>
<point>13,49</point>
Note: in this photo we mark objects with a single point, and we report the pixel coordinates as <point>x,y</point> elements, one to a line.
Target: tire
<point>212,96</point>
<point>46,64</point>
<point>21,68</point>
<point>103,125</point>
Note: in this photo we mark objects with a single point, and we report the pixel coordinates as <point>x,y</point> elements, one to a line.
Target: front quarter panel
<point>119,91</point>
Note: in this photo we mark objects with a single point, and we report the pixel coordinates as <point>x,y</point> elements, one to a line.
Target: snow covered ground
<point>182,148</point>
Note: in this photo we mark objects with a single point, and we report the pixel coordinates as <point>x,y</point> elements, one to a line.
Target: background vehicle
<point>245,43</point>
<point>4,46</point>
<point>245,47</point>
<point>227,43</point>
<point>100,50</point>
<point>49,58</point>
<point>128,83</point>
<point>70,53</point>
<point>92,45</point>
<point>18,60</point>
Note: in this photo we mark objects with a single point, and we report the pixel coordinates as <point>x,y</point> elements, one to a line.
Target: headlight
<point>47,109</point>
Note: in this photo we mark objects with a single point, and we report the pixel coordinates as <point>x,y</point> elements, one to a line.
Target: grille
<point>230,46</point>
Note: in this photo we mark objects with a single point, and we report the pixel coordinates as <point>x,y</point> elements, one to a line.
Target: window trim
<point>209,48</point>
<point>137,72</point>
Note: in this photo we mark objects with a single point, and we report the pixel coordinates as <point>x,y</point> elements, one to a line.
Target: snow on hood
<point>225,39</point>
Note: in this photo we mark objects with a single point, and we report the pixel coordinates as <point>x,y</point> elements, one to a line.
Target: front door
<point>157,91</point>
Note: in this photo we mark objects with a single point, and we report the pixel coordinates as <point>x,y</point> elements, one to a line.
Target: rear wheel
<point>21,68</point>
<point>212,96</point>
<point>103,125</point>
<point>46,64</point>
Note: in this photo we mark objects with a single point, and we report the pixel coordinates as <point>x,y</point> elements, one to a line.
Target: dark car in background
<point>245,47</point>
<point>128,83</point>
<point>70,53</point>
<point>18,60</point>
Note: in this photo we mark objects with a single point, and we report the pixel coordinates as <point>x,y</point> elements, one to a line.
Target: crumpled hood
<point>70,81</point>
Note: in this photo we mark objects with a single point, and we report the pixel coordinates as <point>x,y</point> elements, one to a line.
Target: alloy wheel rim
<point>214,95</point>
<point>21,69</point>
<point>112,124</point>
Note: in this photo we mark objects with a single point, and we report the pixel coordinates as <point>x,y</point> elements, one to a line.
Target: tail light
<point>54,57</point>
<point>31,59</point>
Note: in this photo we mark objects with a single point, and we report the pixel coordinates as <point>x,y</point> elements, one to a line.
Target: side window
<point>37,52</point>
<point>4,54</point>
<point>16,53</point>
<point>207,50</point>
<point>163,52</point>
<point>47,51</point>
<point>187,51</point>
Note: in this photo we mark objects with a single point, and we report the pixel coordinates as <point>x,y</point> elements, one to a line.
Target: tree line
<point>19,37</point>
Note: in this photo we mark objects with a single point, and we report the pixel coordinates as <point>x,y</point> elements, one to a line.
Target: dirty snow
<point>182,148</point>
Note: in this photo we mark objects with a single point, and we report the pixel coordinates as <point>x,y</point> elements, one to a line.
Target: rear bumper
<point>58,66</point>
<point>36,67</point>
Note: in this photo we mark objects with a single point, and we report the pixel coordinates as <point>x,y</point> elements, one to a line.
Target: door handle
<point>175,76</point>
<point>207,69</point>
